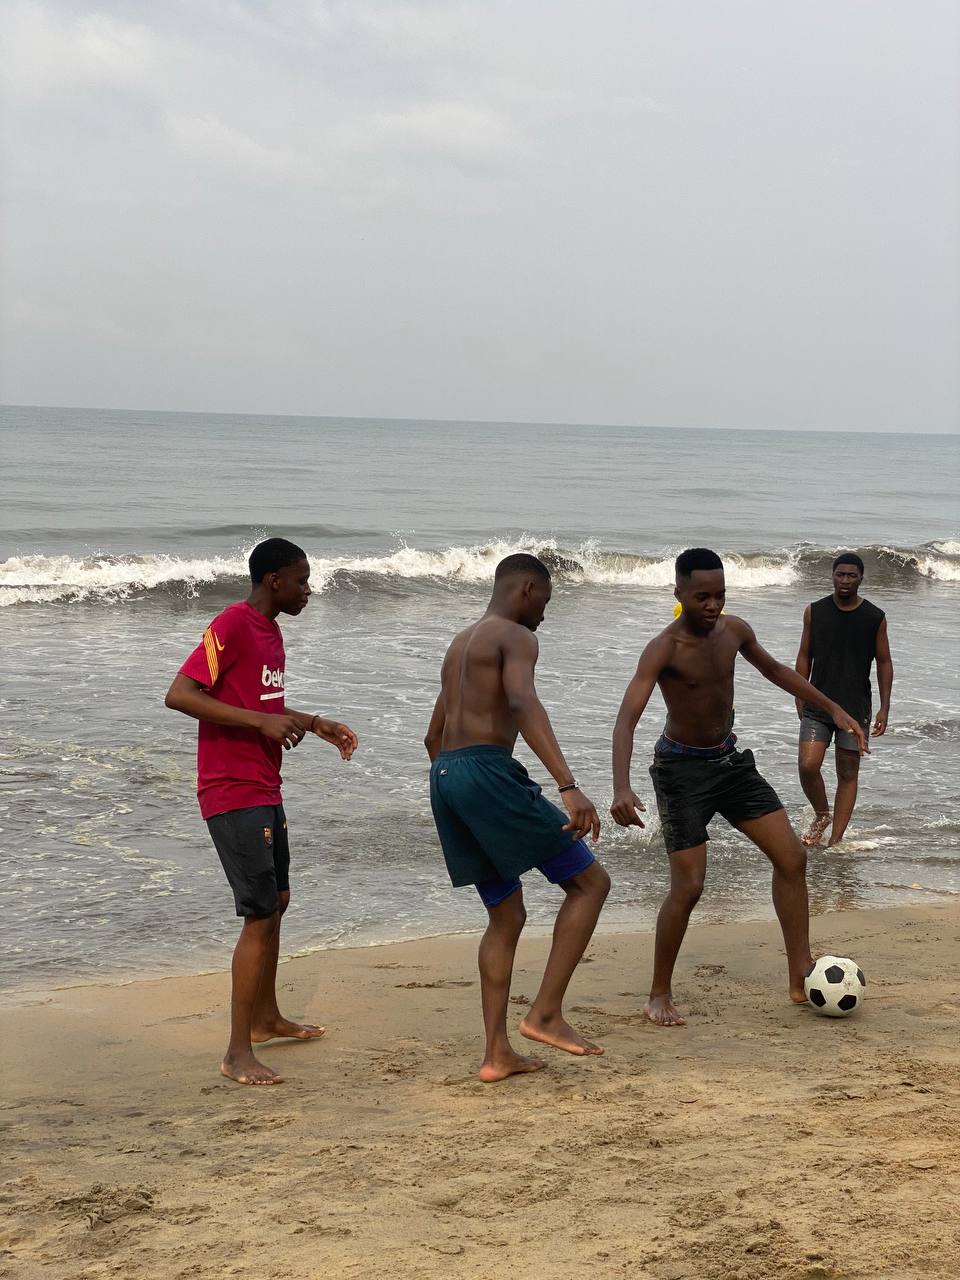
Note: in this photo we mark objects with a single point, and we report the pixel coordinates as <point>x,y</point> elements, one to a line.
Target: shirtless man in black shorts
<point>697,771</point>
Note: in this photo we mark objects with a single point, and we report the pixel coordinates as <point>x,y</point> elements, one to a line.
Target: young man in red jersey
<point>233,683</point>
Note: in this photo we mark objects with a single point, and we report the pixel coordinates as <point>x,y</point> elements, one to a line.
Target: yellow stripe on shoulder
<point>210,648</point>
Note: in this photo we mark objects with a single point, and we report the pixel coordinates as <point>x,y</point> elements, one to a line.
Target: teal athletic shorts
<point>494,823</point>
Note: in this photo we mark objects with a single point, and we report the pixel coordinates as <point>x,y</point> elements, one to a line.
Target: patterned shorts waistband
<point>679,750</point>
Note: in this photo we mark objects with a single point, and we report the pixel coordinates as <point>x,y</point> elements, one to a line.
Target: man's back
<point>476,706</point>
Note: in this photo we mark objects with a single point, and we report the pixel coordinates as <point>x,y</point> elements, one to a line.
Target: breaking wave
<point>40,579</point>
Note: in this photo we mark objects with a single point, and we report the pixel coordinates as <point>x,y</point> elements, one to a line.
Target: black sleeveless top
<point>843,645</point>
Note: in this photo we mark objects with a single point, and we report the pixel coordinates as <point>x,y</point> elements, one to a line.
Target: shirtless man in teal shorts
<point>493,820</point>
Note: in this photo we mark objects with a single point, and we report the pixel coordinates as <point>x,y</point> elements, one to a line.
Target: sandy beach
<point>760,1140</point>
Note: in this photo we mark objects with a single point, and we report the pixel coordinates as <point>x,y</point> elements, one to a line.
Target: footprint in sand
<point>440,982</point>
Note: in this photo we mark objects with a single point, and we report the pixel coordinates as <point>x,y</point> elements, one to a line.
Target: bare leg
<point>848,774</point>
<point>249,961</point>
<point>688,868</point>
<point>575,923</point>
<point>268,1022</point>
<point>498,946</point>
<point>774,835</point>
<point>810,763</point>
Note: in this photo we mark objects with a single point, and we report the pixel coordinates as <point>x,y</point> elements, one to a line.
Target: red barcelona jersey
<point>240,661</point>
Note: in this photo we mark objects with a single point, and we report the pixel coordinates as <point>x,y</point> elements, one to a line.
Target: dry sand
<point>760,1140</point>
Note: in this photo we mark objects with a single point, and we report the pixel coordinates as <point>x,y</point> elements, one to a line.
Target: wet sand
<point>760,1140</point>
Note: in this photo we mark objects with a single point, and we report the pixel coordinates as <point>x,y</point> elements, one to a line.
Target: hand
<point>880,724</point>
<point>344,739</point>
<point>584,818</point>
<point>849,725</point>
<point>283,729</point>
<point>624,809</point>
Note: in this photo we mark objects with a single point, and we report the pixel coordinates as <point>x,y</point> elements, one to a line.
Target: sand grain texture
<point>759,1141</point>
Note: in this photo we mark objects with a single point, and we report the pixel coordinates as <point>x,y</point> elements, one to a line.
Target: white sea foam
<point>942,568</point>
<point>46,579</point>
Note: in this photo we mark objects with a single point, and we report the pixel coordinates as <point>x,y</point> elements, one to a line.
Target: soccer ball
<point>835,986</point>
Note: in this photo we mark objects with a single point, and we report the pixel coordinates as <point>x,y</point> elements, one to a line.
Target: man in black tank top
<point>842,635</point>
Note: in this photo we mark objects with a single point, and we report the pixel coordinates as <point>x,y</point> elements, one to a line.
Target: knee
<point>809,773</point>
<point>594,882</point>
<point>510,915</point>
<point>261,928</point>
<point>686,892</point>
<point>847,770</point>
<point>794,864</point>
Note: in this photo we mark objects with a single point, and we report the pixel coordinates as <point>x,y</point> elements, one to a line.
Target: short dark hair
<point>696,558</point>
<point>849,557</point>
<point>268,557</point>
<point>521,563</point>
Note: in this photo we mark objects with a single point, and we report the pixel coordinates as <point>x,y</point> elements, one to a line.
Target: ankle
<point>543,1013</point>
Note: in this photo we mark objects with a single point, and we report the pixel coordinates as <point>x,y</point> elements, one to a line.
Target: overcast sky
<point>728,213</point>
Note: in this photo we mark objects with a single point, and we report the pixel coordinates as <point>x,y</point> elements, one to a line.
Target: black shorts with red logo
<point>255,853</point>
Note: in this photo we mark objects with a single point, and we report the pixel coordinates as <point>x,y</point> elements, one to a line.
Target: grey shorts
<point>813,729</point>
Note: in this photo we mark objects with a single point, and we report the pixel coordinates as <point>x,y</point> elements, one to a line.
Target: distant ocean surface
<point>122,534</point>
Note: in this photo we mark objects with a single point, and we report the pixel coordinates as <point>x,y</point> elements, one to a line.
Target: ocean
<point>123,533</point>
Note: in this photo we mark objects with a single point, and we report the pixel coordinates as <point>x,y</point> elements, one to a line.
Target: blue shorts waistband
<point>665,746</point>
<point>478,749</point>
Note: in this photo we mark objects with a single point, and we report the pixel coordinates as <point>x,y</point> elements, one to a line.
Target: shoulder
<point>665,641</point>
<point>659,651</point>
<point>739,627</point>
<point>873,611</point>
<point>517,638</point>
<point>229,621</point>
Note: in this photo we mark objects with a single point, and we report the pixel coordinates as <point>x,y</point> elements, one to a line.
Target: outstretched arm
<point>884,679</point>
<point>635,699</point>
<point>804,656</point>
<point>791,681</point>
<point>190,697</point>
<point>520,653</point>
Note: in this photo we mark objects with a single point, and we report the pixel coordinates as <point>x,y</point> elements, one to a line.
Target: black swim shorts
<point>690,792</point>
<point>255,853</point>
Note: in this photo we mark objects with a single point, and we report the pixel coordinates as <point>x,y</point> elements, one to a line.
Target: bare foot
<point>814,833</point>
<point>283,1027</point>
<point>662,1011</point>
<point>245,1069</point>
<point>508,1064</point>
<point>557,1031</point>
<point>797,993</point>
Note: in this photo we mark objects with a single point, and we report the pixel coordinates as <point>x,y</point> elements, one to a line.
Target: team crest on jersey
<point>268,834</point>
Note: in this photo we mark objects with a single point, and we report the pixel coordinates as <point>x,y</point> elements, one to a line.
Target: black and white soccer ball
<point>835,986</point>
